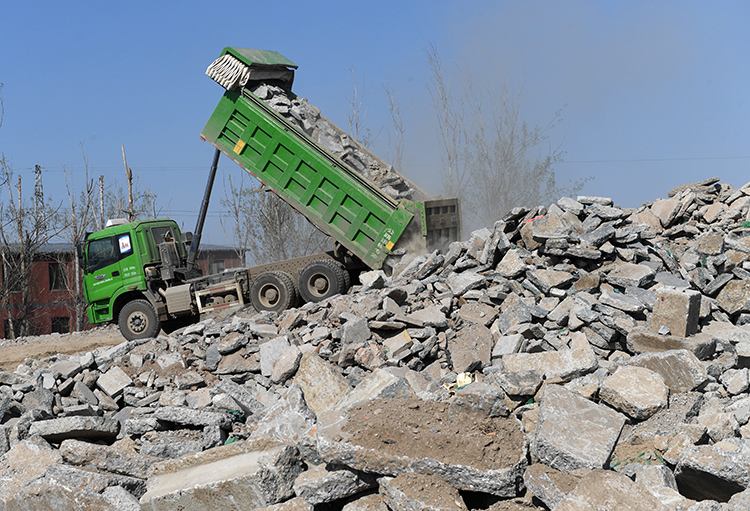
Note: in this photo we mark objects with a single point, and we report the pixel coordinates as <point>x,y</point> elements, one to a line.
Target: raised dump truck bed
<point>336,198</point>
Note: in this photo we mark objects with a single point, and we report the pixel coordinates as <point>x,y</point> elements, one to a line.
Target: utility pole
<point>38,200</point>
<point>129,175</point>
<point>101,202</point>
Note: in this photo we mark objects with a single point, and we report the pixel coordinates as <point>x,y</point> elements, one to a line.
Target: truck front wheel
<point>138,320</point>
<point>273,291</point>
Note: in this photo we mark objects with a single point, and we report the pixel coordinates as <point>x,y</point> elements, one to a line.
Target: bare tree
<point>117,203</point>
<point>451,126</point>
<point>80,217</point>
<point>356,118</point>
<point>133,201</point>
<point>494,160</point>
<point>266,226</point>
<point>24,232</point>
<point>397,124</point>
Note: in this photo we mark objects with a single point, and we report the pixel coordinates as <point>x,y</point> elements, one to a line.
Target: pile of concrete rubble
<point>576,357</point>
<point>307,117</point>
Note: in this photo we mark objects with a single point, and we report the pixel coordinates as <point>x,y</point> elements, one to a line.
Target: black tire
<point>171,325</point>
<point>273,291</point>
<point>322,279</point>
<point>138,320</point>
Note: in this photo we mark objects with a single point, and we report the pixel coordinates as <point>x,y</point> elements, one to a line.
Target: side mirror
<point>187,238</point>
<point>79,254</point>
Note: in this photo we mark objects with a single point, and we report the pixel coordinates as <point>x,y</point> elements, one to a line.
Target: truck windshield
<point>101,253</point>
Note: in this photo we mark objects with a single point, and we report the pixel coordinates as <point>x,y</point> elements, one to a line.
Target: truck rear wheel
<point>273,291</point>
<point>322,279</point>
<point>138,320</point>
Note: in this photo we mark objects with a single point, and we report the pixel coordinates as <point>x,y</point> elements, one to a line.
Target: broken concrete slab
<point>680,369</point>
<point>380,384</point>
<point>286,365</point>
<point>604,490</point>
<point>395,436</point>
<point>555,366</point>
<point>428,316</point>
<point>480,313</point>
<point>66,368</point>
<point>374,279</point>
<point>715,471</point>
<point>517,383</point>
<point>420,492</point>
<point>92,428</point>
<point>289,421</point>
<point>118,460</point>
<point>270,352</point>
<point>460,283</point>
<point>485,397</point>
<point>636,391</point>
<point>398,346</point>
<point>355,331</point>
<point>189,417</point>
<point>620,301</point>
<point>318,485</point>
<point>574,432</point>
<point>546,279</point>
<point>630,275</point>
<point>506,344</point>
<point>66,487</point>
<point>666,210</point>
<point>676,310</point>
<point>471,348</point>
<point>322,385</point>
<point>735,381</point>
<point>549,485</point>
<point>734,297</point>
<point>114,381</point>
<point>727,333</point>
<point>121,499</point>
<point>368,503</point>
<point>244,475</point>
<point>16,471</point>
<point>512,264</point>
<point>643,340</point>
<point>242,397</point>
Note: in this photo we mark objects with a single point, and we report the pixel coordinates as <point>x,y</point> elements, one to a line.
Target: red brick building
<point>52,298</point>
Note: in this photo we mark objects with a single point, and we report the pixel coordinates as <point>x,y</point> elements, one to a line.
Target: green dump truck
<point>143,275</point>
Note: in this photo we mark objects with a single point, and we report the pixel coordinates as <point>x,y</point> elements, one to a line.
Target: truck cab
<point>126,269</point>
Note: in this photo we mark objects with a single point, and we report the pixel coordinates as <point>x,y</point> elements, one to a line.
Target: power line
<point>94,170</point>
<point>193,168</point>
<point>660,159</point>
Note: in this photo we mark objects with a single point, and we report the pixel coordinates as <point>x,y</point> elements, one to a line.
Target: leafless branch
<point>398,129</point>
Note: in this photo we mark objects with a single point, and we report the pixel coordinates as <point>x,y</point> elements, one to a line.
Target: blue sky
<point>651,95</point>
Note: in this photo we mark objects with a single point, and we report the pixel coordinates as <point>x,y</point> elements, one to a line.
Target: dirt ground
<point>436,430</point>
<point>14,351</point>
<point>431,490</point>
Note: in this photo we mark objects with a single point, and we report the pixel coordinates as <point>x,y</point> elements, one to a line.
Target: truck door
<point>106,260</point>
